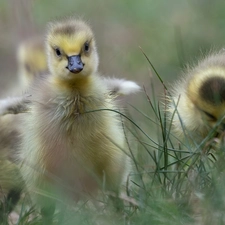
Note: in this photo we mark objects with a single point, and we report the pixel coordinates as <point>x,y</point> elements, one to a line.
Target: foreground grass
<point>171,182</point>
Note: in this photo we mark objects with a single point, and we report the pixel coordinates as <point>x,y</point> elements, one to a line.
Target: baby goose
<point>73,141</point>
<point>198,99</point>
<point>32,61</point>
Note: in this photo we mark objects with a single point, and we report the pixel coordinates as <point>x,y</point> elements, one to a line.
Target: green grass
<point>170,183</point>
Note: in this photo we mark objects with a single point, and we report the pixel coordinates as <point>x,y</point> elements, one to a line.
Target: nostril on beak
<point>75,64</point>
<point>70,61</point>
<point>79,62</point>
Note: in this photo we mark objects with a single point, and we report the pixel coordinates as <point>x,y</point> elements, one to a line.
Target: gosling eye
<point>58,52</point>
<point>86,47</point>
<point>210,116</point>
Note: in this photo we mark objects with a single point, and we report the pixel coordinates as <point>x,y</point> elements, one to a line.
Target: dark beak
<point>75,64</point>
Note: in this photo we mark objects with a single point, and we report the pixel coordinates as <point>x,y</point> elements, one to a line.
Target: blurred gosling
<point>31,63</point>
<point>198,99</point>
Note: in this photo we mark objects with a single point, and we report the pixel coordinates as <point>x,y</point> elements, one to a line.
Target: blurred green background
<point>171,33</point>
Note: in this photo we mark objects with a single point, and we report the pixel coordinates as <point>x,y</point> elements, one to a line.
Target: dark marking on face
<point>213,90</point>
<point>66,30</point>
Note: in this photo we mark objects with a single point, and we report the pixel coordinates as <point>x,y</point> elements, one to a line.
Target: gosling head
<point>32,60</point>
<point>207,92</point>
<point>71,49</point>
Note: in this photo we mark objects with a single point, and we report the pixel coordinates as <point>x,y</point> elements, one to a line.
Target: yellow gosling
<point>73,140</point>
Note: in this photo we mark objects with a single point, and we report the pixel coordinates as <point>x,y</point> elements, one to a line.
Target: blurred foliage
<point>171,33</point>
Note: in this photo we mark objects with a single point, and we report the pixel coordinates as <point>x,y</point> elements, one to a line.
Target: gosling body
<point>31,63</point>
<point>73,140</point>
<point>197,101</point>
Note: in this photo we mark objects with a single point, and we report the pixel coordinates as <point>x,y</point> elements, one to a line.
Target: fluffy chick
<point>73,141</point>
<point>32,61</point>
<point>198,99</point>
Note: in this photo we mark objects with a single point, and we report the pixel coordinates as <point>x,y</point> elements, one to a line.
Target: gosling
<point>73,140</point>
<point>31,63</point>
<point>197,101</point>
